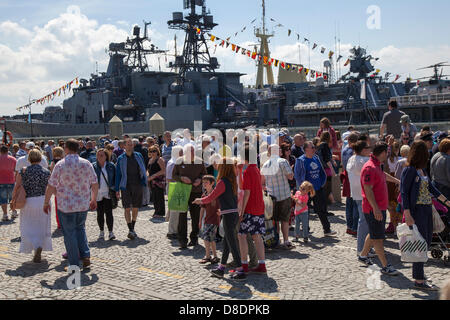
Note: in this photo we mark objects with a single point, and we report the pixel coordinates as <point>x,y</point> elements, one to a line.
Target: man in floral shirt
<point>74,182</point>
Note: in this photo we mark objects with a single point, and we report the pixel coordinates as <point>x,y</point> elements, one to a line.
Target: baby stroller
<point>441,241</point>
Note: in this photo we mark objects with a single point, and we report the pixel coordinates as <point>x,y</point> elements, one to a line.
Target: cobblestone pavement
<point>152,267</point>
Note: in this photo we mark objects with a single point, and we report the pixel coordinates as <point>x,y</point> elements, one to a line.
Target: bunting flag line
<point>346,62</point>
<point>322,50</point>
<point>51,96</point>
<point>314,46</point>
<point>330,55</point>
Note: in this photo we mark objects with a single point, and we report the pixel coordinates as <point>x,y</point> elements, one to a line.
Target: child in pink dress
<point>301,209</point>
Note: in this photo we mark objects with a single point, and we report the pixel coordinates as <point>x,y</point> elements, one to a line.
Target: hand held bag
<point>178,197</point>
<point>413,247</point>
<point>438,225</point>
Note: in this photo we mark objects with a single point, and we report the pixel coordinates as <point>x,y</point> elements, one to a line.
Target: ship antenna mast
<point>195,56</point>
<point>264,52</point>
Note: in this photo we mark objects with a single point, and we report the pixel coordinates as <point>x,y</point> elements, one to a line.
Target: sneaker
<point>245,270</point>
<point>218,273</point>
<point>111,236</point>
<point>172,236</point>
<point>389,270</point>
<point>134,234</point>
<point>101,236</point>
<point>425,286</point>
<point>65,256</point>
<point>367,261</point>
<point>351,232</point>
<point>131,235</point>
<point>330,234</point>
<point>261,269</point>
<point>305,240</point>
<point>5,218</point>
<point>14,214</point>
<point>238,276</point>
<point>296,239</point>
<point>330,214</point>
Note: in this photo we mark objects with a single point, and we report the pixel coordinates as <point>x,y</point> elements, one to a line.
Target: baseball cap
<point>405,118</point>
<point>281,134</point>
<point>30,145</point>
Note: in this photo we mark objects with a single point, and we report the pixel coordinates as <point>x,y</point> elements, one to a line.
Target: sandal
<point>215,260</point>
<point>205,260</point>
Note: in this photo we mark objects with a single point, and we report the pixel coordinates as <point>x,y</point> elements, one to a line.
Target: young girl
<point>211,222</point>
<point>301,209</point>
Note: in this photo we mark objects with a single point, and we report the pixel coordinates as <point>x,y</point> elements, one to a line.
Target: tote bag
<point>178,198</point>
<point>413,246</point>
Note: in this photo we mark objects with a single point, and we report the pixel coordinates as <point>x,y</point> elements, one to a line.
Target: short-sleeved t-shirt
<point>392,121</point>
<point>133,172</point>
<point>252,182</point>
<point>23,162</point>
<point>7,166</point>
<point>211,216</point>
<point>371,174</point>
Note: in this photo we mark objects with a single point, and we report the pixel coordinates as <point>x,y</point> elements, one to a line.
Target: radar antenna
<point>195,56</point>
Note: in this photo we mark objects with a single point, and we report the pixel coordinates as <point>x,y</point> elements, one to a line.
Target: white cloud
<point>36,61</point>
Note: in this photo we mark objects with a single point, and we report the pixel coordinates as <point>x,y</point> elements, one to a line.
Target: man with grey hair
<point>297,148</point>
<point>166,149</point>
<point>49,150</point>
<point>190,171</point>
<point>276,173</point>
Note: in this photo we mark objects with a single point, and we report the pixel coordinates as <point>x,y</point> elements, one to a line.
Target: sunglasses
<point>152,152</point>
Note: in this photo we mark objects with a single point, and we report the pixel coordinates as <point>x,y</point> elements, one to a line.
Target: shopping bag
<point>178,197</point>
<point>271,237</point>
<point>438,224</point>
<point>268,206</point>
<point>413,246</point>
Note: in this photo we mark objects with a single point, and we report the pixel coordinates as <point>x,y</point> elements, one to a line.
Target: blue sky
<point>42,47</point>
<point>404,22</point>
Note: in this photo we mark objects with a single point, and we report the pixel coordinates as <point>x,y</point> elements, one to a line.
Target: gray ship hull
<point>179,117</point>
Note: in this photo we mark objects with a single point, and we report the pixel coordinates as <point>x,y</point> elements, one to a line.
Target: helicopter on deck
<point>435,84</point>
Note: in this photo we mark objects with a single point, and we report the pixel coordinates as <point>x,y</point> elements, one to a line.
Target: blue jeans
<point>363,228</point>
<point>75,240</point>
<point>351,214</point>
<point>304,219</point>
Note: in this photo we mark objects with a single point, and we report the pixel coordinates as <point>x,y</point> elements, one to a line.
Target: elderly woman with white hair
<point>35,224</point>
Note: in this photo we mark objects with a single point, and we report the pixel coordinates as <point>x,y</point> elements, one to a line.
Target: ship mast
<point>195,56</point>
<point>264,52</point>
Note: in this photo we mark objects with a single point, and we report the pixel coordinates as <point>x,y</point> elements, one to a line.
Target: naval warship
<point>196,91</point>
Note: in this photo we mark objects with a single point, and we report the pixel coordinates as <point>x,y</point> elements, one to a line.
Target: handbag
<point>111,193</point>
<point>178,197</point>
<point>413,246</point>
<point>19,198</point>
<point>268,206</point>
<point>438,225</point>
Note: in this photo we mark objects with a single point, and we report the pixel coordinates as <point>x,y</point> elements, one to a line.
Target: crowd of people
<point>401,170</point>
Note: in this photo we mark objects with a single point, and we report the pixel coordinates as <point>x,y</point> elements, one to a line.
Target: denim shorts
<point>376,228</point>
<point>252,224</point>
<point>6,193</point>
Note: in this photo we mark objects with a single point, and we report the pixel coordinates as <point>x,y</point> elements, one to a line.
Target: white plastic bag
<point>438,225</point>
<point>268,207</point>
<point>413,246</point>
